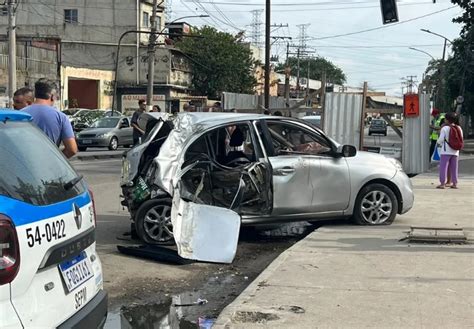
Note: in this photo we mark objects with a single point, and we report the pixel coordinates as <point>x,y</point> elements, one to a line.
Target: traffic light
<point>389,11</point>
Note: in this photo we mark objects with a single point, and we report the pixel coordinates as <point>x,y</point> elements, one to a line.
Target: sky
<point>381,57</point>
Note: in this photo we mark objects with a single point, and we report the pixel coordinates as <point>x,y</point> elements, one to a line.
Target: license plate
<point>86,141</point>
<point>76,271</point>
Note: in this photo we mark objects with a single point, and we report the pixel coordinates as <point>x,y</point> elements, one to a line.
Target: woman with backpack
<point>450,141</point>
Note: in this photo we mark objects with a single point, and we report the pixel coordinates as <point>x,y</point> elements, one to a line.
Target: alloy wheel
<point>376,207</point>
<point>157,223</point>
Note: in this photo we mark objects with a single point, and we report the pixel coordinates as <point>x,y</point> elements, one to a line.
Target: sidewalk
<point>354,277</point>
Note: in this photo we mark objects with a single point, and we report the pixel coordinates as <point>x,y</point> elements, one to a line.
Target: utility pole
<point>11,51</point>
<point>298,73</point>
<point>267,53</point>
<point>151,57</point>
<point>287,76</point>
<point>307,81</point>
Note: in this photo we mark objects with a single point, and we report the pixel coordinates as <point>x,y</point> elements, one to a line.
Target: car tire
<point>376,204</point>
<point>153,222</point>
<point>113,144</point>
<point>82,148</point>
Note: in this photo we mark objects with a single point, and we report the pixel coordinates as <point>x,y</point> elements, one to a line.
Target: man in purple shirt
<point>52,122</point>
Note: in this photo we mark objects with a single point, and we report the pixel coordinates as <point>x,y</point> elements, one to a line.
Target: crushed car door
<point>212,191</point>
<point>203,232</point>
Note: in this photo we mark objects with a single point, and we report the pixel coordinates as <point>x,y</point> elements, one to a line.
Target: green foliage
<point>219,63</point>
<point>467,17</point>
<point>317,66</point>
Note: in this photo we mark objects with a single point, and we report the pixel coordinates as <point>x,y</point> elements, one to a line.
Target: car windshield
<point>105,123</point>
<point>32,169</point>
<point>378,122</point>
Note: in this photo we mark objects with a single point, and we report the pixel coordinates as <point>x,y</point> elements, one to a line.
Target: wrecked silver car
<point>198,176</point>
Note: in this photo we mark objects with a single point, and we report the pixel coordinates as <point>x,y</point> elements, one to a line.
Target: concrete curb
<point>225,318</point>
<point>97,157</point>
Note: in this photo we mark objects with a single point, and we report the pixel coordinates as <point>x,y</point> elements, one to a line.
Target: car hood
<point>96,131</point>
<point>366,164</point>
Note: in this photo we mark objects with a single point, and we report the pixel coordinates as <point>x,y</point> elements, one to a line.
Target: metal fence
<point>342,116</point>
<point>415,154</point>
<point>246,101</point>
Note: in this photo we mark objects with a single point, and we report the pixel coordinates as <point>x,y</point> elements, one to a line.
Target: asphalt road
<point>132,281</point>
<point>391,140</point>
<point>93,151</point>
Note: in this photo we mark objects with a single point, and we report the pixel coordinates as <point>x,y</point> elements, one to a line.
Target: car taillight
<point>93,207</point>
<point>9,251</point>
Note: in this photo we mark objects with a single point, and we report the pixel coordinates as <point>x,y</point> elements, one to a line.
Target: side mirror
<point>347,151</point>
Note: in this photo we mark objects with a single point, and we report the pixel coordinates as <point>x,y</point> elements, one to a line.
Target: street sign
<point>411,105</point>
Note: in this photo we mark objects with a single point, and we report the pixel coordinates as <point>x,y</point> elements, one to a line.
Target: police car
<point>50,273</point>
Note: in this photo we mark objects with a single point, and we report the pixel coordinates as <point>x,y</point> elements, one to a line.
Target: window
<point>71,16</point>
<point>146,19</point>
<point>3,11</point>
<point>293,139</point>
<point>32,170</point>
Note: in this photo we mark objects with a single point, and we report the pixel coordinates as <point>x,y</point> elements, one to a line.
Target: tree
<point>317,65</point>
<point>467,17</point>
<point>219,62</point>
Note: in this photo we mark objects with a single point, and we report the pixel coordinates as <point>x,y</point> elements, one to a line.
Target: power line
<point>293,4</point>
<point>382,27</point>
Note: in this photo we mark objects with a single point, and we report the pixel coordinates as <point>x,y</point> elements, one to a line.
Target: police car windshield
<point>31,167</point>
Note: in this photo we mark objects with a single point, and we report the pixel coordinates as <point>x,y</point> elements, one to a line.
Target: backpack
<point>455,138</point>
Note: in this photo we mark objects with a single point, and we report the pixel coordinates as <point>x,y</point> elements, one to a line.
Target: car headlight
<point>103,135</point>
<point>397,164</point>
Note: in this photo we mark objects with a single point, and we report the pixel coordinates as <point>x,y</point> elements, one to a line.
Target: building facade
<point>86,34</point>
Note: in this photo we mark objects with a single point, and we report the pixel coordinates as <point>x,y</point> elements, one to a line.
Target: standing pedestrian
<point>155,108</point>
<point>450,142</point>
<point>51,121</point>
<point>22,98</point>
<point>435,126</point>
<point>137,131</point>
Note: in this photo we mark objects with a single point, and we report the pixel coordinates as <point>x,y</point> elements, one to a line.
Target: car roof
<point>9,115</point>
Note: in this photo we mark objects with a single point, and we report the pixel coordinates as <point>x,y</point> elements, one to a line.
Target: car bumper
<point>95,142</point>
<point>405,187</point>
<point>377,131</point>
<point>93,315</point>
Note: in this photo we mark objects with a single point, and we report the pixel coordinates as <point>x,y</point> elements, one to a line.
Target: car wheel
<point>113,145</point>
<point>153,222</point>
<point>82,148</point>
<point>376,204</point>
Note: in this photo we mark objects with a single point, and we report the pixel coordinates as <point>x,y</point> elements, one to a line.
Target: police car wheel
<point>153,222</point>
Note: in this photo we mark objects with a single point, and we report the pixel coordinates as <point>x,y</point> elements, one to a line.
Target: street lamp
<point>422,51</point>
<point>442,70</point>
<point>151,56</point>
<point>117,53</point>
<point>441,36</point>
